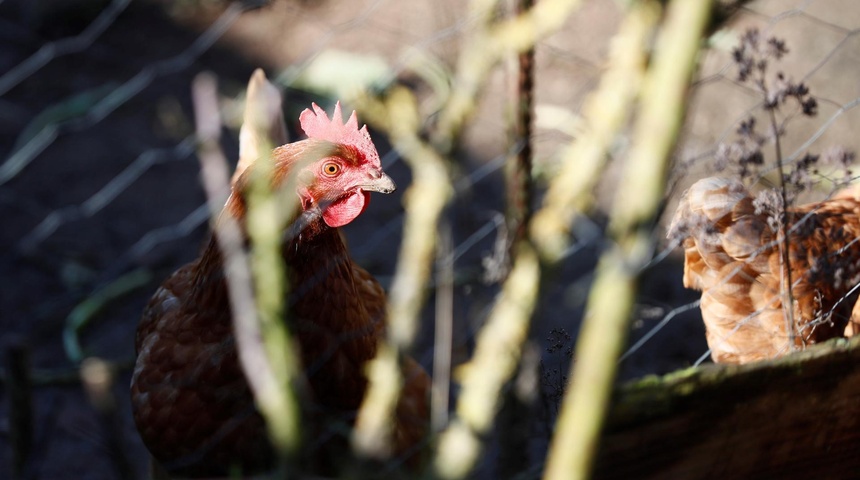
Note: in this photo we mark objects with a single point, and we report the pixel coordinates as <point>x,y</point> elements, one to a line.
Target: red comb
<point>316,124</point>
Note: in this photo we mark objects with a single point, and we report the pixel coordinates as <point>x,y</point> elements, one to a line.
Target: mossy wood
<point>795,417</point>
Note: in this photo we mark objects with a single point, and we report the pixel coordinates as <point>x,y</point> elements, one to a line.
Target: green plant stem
<point>265,349</point>
<point>424,203</point>
<point>486,48</point>
<point>610,301</point>
<point>500,342</point>
<point>497,354</point>
<point>266,224</point>
<point>605,113</point>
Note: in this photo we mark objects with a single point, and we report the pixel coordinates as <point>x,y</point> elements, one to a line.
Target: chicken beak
<point>381,183</point>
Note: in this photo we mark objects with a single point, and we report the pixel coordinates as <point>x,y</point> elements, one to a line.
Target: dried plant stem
<point>444,333</point>
<point>784,251</point>
<point>497,354</point>
<point>424,202</point>
<point>265,352</point>
<point>610,301</point>
<point>519,164</point>
<point>786,294</point>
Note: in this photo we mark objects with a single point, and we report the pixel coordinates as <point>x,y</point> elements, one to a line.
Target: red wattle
<point>346,209</point>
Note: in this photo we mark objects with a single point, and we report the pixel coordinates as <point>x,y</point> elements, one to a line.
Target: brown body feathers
<point>731,246</point>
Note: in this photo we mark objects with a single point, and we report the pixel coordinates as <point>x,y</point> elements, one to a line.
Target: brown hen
<point>731,245</point>
<point>191,402</point>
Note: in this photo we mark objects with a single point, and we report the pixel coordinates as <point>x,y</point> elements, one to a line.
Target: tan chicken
<point>191,402</point>
<point>730,243</point>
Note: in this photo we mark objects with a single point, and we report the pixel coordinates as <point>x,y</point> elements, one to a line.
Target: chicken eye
<point>331,169</point>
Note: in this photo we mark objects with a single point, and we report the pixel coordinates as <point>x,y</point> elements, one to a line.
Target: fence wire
<point>97,176</point>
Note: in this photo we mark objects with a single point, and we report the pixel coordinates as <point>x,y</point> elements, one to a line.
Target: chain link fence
<point>101,200</point>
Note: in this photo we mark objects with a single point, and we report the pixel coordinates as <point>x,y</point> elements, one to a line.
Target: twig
<point>519,164</point>
<point>500,342</point>
<point>270,382</point>
<point>424,202</point>
<point>784,251</point>
<point>485,49</point>
<point>443,336</point>
<point>605,112</point>
<point>605,326</point>
<point>497,354</point>
<point>786,285</point>
<point>266,222</point>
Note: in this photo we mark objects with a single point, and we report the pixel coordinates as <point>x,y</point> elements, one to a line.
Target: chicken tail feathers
<point>263,126</point>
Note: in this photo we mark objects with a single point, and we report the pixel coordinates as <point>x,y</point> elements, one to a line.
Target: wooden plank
<point>795,417</point>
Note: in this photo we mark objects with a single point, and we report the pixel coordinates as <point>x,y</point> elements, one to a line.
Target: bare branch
<point>270,381</point>
<point>610,301</point>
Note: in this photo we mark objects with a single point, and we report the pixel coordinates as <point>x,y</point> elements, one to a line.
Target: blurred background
<point>100,198</point>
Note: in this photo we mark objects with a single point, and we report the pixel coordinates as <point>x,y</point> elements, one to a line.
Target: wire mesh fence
<point>100,189</point>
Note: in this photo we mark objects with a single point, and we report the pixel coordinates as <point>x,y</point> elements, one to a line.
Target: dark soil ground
<point>61,247</point>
